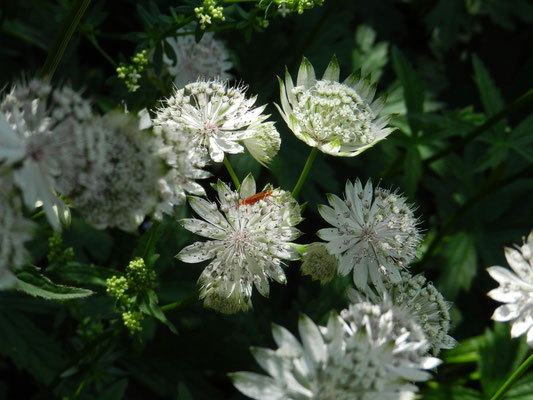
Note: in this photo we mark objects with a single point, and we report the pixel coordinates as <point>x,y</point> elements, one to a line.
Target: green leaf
<point>451,393</point>
<point>183,392</point>
<point>466,352</point>
<point>500,357</point>
<point>115,392</point>
<point>149,305</point>
<point>370,58</point>
<point>413,170</point>
<point>88,243</point>
<point>461,265</point>
<point>29,347</point>
<point>521,138</point>
<point>26,32</point>
<point>413,88</point>
<point>148,17</point>
<point>521,390</point>
<point>32,282</point>
<point>489,93</point>
<point>82,274</point>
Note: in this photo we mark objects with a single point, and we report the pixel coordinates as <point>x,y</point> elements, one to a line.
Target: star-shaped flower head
<point>249,238</point>
<point>207,58</point>
<point>14,231</point>
<point>369,352</point>
<point>218,118</point>
<point>422,301</point>
<point>516,290</point>
<point>341,119</point>
<point>375,233</point>
<point>115,181</point>
<point>33,113</point>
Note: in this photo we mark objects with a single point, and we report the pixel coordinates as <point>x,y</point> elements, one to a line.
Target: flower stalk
<point>514,377</point>
<point>63,38</point>
<point>232,173</point>
<point>305,172</point>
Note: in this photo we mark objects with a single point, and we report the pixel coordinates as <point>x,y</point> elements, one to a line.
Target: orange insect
<point>255,198</point>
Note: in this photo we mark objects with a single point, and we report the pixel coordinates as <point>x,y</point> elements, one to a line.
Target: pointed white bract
<point>369,352</point>
<point>206,59</point>
<point>114,180</point>
<point>341,119</point>
<point>422,301</point>
<point>185,164</point>
<point>516,290</point>
<point>319,263</point>
<point>31,115</point>
<point>15,230</point>
<point>248,241</point>
<point>217,118</point>
<point>375,233</point>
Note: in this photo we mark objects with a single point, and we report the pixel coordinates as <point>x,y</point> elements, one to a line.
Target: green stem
<point>517,374</point>
<point>63,38</point>
<point>179,304</point>
<point>232,173</point>
<point>305,172</point>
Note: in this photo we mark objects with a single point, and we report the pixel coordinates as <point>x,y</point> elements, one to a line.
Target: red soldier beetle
<point>255,198</point>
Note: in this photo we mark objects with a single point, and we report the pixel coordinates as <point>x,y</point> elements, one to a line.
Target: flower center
<point>35,152</point>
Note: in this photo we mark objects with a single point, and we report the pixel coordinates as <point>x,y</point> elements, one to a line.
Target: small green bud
<point>207,12</point>
<point>140,278</point>
<point>57,254</point>
<point>116,287</point>
<point>132,320</point>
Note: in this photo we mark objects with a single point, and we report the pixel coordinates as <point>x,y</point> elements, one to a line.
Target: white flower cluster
<point>340,119</point>
<point>368,352</point>
<point>250,236</point>
<point>422,301</point>
<point>206,59</point>
<point>375,233</point>
<point>15,230</point>
<point>32,115</point>
<point>114,182</point>
<point>111,173</point>
<point>516,290</point>
<point>217,117</point>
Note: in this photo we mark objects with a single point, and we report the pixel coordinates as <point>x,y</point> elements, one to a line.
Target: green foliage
<point>29,347</point>
<point>32,282</point>
<point>461,256</point>
<point>86,321</point>
<point>499,357</point>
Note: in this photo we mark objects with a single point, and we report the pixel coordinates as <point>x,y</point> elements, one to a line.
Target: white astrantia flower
<point>375,233</point>
<point>207,58</point>
<point>114,182</point>
<point>515,290</point>
<point>369,352</point>
<point>250,234</point>
<point>185,167</point>
<point>216,117</point>
<point>33,113</point>
<point>341,119</point>
<point>15,230</point>
<point>319,263</point>
<point>422,301</point>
